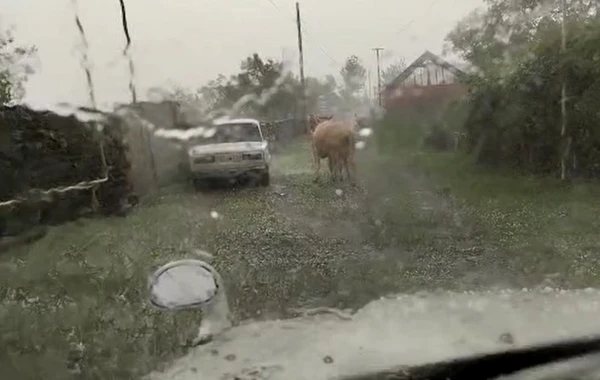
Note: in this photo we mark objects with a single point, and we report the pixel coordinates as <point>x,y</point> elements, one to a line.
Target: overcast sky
<point>188,42</point>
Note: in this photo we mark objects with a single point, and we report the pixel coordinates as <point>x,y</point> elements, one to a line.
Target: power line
<point>275,5</point>
<point>306,32</point>
<point>408,24</point>
<point>321,48</point>
<point>415,18</point>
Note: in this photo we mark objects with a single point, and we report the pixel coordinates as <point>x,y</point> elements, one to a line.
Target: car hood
<point>228,147</point>
<point>403,330</point>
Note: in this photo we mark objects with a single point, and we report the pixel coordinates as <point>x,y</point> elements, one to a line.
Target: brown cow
<point>334,140</point>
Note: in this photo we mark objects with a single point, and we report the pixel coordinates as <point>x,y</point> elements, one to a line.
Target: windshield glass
<point>406,151</point>
<point>229,133</point>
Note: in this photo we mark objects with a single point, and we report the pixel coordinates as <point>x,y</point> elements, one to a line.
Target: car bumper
<point>229,172</point>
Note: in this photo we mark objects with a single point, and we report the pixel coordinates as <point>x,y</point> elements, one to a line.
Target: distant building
<point>428,80</point>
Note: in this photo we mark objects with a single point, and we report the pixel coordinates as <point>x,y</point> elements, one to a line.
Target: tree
<point>191,105</point>
<point>15,67</point>
<point>175,93</point>
<point>213,92</point>
<point>504,31</point>
<point>392,71</point>
<point>249,91</point>
<point>514,101</point>
<point>354,75</point>
<point>318,90</point>
<point>262,89</point>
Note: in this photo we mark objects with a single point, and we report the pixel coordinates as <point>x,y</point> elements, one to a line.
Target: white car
<point>233,149</point>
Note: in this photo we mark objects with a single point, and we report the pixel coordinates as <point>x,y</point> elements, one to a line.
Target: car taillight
<point>252,156</point>
<point>204,160</point>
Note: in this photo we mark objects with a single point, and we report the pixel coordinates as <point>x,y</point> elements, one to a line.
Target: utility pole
<point>369,86</point>
<point>566,140</point>
<point>377,50</point>
<point>301,55</point>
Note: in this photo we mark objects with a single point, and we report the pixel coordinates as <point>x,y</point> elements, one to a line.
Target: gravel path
<point>301,244</point>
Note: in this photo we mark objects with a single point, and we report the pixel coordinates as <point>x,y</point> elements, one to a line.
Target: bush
<point>398,131</point>
<point>515,112</point>
<point>43,150</point>
<point>439,138</point>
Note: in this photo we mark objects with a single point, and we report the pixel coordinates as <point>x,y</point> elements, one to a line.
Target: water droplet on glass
<point>210,133</point>
<point>360,145</point>
<point>339,192</point>
<point>365,132</point>
<point>203,254</point>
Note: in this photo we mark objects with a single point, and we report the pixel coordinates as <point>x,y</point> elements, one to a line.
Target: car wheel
<point>265,178</point>
<point>196,184</point>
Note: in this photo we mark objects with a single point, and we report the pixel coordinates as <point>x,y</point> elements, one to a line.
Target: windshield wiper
<point>490,366</point>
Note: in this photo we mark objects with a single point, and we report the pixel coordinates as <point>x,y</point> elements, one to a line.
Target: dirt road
<point>301,244</point>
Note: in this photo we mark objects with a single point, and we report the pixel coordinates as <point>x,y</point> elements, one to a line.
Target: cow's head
<point>314,120</point>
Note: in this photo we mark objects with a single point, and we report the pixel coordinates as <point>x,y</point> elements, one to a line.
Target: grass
<point>74,303</point>
<point>77,297</point>
<point>548,228</point>
<point>538,229</point>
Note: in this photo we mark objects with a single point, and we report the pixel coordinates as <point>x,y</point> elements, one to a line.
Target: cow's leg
<point>316,160</point>
<point>349,166</point>
<point>351,169</point>
<point>317,166</point>
<point>331,163</point>
<point>342,167</point>
<point>338,169</point>
<point>334,168</point>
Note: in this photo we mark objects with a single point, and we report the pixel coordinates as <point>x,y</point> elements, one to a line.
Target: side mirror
<point>188,284</point>
<point>183,284</point>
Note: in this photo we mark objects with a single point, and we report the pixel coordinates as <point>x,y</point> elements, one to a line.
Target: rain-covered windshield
<point>229,133</point>
<point>411,149</point>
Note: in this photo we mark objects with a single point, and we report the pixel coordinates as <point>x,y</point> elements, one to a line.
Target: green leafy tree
<point>249,89</point>
<point>354,76</point>
<point>352,92</point>
<point>15,67</point>
<point>514,101</point>
<point>263,89</point>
